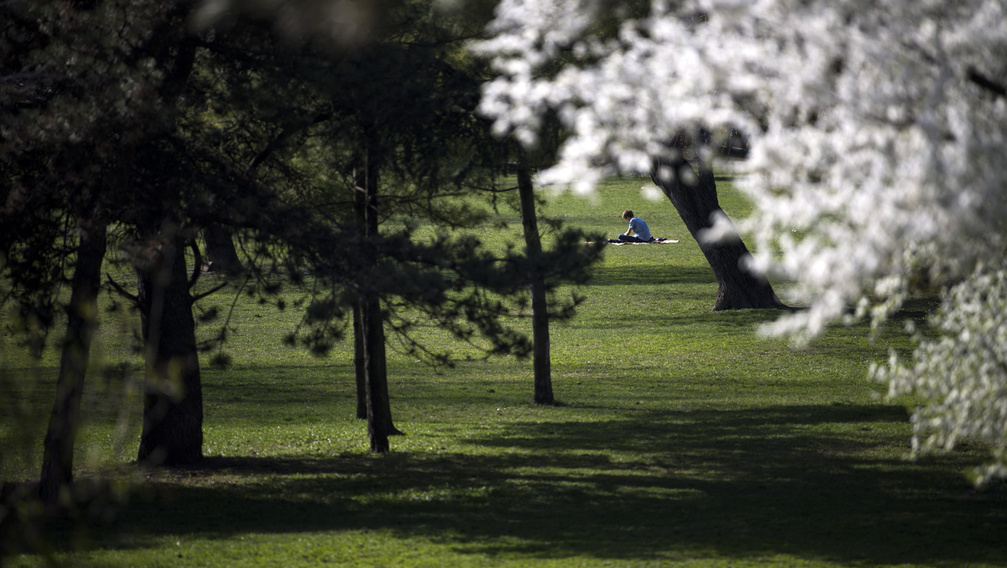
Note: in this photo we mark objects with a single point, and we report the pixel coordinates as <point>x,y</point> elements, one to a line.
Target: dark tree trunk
<point>379,417</point>
<point>370,321</point>
<point>172,432</point>
<point>695,197</point>
<point>173,399</point>
<point>82,322</point>
<point>359,368</point>
<point>221,256</point>
<point>539,307</point>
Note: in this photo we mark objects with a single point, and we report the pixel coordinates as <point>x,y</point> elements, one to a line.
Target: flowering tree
<point>877,130</point>
<point>614,118</point>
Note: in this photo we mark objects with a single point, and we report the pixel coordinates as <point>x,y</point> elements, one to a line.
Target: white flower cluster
<point>962,373</point>
<point>884,156</point>
<point>622,98</point>
<point>878,142</point>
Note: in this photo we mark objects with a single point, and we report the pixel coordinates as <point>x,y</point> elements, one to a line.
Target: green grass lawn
<point>683,439</point>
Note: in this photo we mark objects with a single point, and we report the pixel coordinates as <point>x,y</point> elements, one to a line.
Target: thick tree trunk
<point>221,256</point>
<point>173,400</point>
<point>539,306</point>
<point>172,432</point>
<point>695,197</point>
<point>82,322</point>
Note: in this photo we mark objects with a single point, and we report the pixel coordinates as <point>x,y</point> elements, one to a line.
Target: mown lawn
<point>683,438</point>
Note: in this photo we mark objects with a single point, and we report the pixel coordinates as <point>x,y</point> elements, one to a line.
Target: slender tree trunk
<point>82,322</point>
<point>359,367</point>
<point>379,419</point>
<point>173,400</point>
<point>371,320</point>
<point>694,195</point>
<point>221,256</point>
<point>539,306</point>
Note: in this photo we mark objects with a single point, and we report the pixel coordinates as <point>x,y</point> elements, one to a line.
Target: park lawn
<point>683,439</point>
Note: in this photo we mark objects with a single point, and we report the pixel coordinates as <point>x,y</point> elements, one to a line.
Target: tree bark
<point>82,322</point>
<point>221,256</point>
<point>541,360</point>
<point>370,321</point>
<point>359,367</point>
<point>172,432</point>
<point>379,418</point>
<point>694,196</point>
<point>173,400</point>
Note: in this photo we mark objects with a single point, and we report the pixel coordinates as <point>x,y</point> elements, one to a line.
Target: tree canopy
<point>877,136</point>
<point>129,118</point>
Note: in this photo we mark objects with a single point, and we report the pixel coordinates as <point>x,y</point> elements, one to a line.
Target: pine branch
<point>213,290</point>
<point>122,291</point>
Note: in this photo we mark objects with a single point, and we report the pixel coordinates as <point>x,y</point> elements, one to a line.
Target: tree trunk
<point>371,320</point>
<point>379,418</point>
<point>372,373</point>
<point>82,322</point>
<point>359,368</point>
<point>539,307</point>
<point>173,399</point>
<point>695,197</point>
<point>221,256</point>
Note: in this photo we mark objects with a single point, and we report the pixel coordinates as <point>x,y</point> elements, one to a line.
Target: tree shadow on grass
<point>633,275</point>
<point>750,483</point>
<point>705,322</point>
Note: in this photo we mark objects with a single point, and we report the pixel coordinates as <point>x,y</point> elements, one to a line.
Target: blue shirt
<point>639,228</point>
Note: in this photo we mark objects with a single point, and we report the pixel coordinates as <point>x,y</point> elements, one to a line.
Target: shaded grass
<point>696,485</point>
<point>683,438</point>
<point>809,483</point>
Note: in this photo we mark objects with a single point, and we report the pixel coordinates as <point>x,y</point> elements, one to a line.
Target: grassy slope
<point>684,439</point>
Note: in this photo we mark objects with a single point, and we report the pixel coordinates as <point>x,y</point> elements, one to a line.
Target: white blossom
<point>878,132</point>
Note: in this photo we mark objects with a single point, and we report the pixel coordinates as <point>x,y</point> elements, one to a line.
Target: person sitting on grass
<point>638,231</point>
